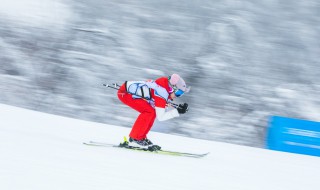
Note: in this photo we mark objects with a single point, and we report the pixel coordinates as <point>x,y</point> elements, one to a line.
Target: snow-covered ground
<point>42,151</point>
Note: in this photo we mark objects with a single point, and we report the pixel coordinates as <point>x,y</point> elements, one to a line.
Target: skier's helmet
<point>178,84</point>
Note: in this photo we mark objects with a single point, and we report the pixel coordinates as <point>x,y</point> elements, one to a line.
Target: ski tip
<point>206,154</point>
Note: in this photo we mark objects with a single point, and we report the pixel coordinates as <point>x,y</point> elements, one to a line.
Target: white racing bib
<point>142,89</point>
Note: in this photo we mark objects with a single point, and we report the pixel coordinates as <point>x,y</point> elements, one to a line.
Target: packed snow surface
<point>42,151</point>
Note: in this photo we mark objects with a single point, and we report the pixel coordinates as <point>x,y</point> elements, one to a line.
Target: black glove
<point>183,108</point>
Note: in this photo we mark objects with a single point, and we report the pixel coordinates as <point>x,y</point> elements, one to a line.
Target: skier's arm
<point>162,115</point>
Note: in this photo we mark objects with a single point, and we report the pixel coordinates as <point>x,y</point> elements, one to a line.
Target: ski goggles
<point>178,92</point>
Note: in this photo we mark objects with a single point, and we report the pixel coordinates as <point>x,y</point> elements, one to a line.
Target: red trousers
<point>145,120</point>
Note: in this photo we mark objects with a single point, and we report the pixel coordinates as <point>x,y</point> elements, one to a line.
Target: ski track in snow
<point>42,151</point>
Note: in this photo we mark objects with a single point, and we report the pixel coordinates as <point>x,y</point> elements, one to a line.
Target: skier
<point>151,98</point>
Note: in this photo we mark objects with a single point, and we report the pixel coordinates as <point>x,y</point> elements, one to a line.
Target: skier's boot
<point>138,143</point>
<point>152,147</point>
<point>148,141</point>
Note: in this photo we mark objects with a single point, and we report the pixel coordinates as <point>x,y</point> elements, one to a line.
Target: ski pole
<point>117,86</point>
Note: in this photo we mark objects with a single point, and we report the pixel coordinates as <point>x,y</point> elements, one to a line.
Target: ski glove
<point>183,108</point>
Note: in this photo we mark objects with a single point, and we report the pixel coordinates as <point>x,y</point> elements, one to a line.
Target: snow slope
<point>41,151</point>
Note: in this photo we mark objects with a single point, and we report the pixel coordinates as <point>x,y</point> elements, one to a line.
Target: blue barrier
<point>294,135</point>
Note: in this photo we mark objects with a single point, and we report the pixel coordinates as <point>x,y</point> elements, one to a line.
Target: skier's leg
<point>142,124</point>
<point>146,118</point>
<point>152,118</point>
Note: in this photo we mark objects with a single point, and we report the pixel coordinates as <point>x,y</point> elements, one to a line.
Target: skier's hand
<point>183,108</point>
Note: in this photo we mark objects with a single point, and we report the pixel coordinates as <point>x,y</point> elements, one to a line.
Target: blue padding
<point>294,135</point>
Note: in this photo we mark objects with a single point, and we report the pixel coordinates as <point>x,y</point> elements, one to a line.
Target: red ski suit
<point>147,115</point>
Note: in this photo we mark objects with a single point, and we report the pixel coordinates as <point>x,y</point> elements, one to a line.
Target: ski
<point>128,147</point>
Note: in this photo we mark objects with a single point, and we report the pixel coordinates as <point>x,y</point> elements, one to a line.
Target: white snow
<point>42,151</point>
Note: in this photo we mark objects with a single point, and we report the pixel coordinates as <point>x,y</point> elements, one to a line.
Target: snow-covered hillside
<point>41,151</point>
<point>246,59</point>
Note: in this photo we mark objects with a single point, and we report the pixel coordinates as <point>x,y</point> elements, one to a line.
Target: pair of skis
<point>125,145</point>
